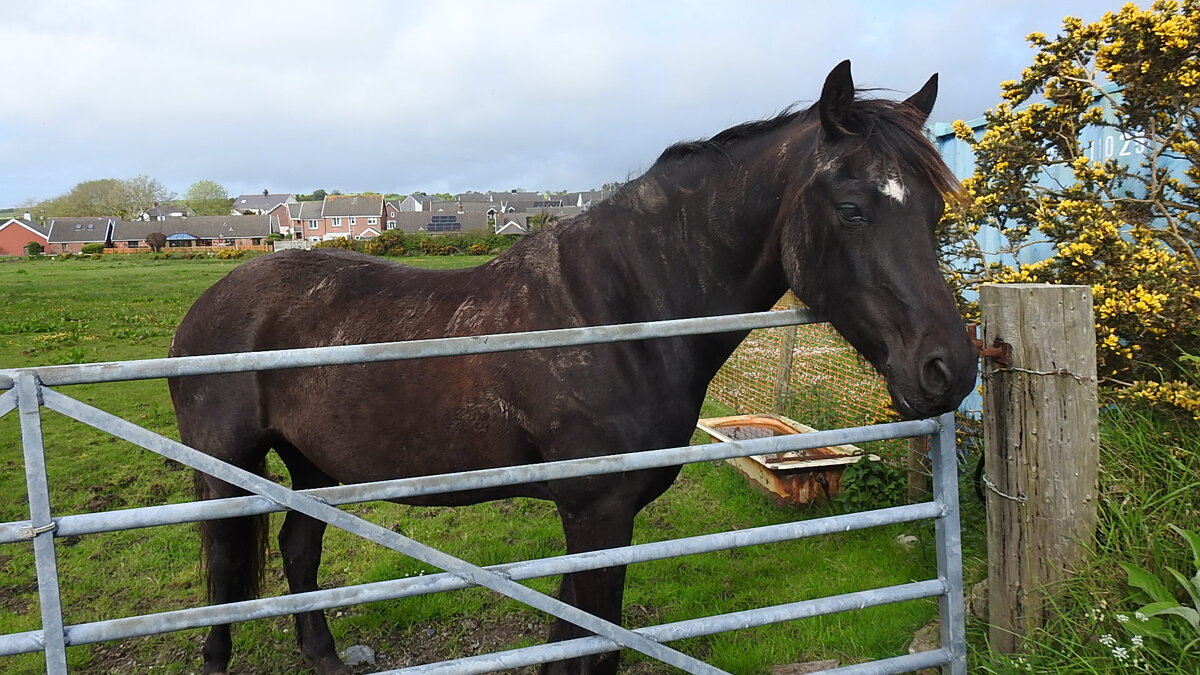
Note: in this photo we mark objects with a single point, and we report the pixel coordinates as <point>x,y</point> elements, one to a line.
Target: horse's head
<point>857,236</point>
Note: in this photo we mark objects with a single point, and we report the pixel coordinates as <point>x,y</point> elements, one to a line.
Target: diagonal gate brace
<point>320,510</point>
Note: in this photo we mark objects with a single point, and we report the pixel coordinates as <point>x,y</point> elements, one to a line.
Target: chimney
<point>28,216</point>
<point>265,193</point>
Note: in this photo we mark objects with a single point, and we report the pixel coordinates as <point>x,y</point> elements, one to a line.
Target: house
<point>392,208</point>
<point>260,204</point>
<point>70,235</point>
<point>409,203</point>
<point>351,216</point>
<point>510,223</point>
<point>587,198</point>
<point>299,218</point>
<point>163,211</point>
<point>442,223</point>
<point>232,231</point>
<point>16,233</point>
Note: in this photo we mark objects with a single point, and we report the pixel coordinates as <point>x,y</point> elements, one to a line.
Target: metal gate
<point>29,389</point>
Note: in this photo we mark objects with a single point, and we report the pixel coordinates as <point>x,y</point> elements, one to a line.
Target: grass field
<point>112,309</point>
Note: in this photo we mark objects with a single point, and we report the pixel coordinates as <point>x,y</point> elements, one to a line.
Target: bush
<point>397,243</point>
<point>1127,228</point>
<point>94,247</point>
<point>344,243</point>
<point>230,253</point>
<point>34,249</point>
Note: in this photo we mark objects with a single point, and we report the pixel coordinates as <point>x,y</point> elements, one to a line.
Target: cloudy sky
<point>456,95</point>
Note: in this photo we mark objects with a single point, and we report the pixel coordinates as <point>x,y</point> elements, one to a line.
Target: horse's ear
<point>923,100</point>
<point>836,98</point>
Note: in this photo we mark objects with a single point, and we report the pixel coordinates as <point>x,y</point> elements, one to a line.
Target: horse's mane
<point>890,130</point>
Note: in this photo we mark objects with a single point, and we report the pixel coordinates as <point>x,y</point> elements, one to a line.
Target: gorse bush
<point>396,243</point>
<point>1125,222</point>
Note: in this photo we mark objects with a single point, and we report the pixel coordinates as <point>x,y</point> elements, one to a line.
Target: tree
<point>34,249</point>
<point>90,198</point>
<point>208,198</point>
<point>542,219</point>
<point>108,197</point>
<point>156,241</point>
<point>139,194</point>
<point>1122,208</point>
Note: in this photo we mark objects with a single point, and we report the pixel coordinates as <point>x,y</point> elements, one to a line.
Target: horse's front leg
<point>300,542</point>
<point>598,592</point>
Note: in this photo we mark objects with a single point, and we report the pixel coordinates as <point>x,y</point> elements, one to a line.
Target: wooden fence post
<point>782,392</point>
<point>781,395</point>
<point>1042,448</point>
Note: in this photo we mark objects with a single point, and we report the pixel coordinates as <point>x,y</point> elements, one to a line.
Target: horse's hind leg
<point>233,554</point>
<point>598,592</point>
<point>300,545</point>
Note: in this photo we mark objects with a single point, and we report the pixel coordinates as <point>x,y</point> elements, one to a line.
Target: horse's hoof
<point>333,666</point>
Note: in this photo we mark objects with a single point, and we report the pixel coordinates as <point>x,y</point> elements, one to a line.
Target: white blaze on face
<point>889,184</point>
<point>894,189</point>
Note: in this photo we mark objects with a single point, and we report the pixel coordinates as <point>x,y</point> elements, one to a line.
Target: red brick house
<point>16,233</point>
<point>353,216</point>
<point>299,218</point>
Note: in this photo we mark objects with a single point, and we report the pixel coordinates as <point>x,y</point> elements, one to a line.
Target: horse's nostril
<point>936,375</point>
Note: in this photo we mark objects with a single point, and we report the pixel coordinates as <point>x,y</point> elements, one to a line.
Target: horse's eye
<point>851,213</point>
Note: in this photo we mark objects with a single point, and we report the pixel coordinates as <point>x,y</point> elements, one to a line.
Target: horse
<point>837,201</point>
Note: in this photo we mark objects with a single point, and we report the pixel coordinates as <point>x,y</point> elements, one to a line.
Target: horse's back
<point>303,289</point>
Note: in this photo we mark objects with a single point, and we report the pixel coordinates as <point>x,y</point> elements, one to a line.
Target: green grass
<point>1149,479</point>
<point>124,308</point>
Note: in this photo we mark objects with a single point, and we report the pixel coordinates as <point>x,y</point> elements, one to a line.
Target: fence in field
<point>190,249</point>
<point>32,389</point>
<point>807,372</point>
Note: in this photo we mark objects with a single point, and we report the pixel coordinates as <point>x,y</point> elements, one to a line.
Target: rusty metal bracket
<point>999,352</point>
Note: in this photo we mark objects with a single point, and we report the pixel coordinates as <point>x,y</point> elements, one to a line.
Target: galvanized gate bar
<point>948,535</point>
<point>149,624</point>
<point>171,514</point>
<point>315,508</point>
<point>8,402</point>
<point>41,524</point>
<point>896,664</point>
<point>53,638</point>
<point>669,632</point>
<point>148,369</point>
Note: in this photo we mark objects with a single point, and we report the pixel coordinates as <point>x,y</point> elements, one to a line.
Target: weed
<point>869,484</point>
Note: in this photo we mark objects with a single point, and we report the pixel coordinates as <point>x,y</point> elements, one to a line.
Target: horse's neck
<point>691,247</point>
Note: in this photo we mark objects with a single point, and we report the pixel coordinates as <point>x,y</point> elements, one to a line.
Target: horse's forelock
<point>892,136</point>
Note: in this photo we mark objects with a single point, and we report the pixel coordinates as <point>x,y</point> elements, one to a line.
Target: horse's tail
<point>233,547</point>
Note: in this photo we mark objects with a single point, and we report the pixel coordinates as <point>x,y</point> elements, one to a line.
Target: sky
<point>451,96</point>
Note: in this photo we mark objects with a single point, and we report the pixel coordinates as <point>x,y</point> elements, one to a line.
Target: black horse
<point>837,202</point>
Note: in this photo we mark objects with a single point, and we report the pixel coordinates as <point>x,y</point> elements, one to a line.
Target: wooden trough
<point>799,477</point>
